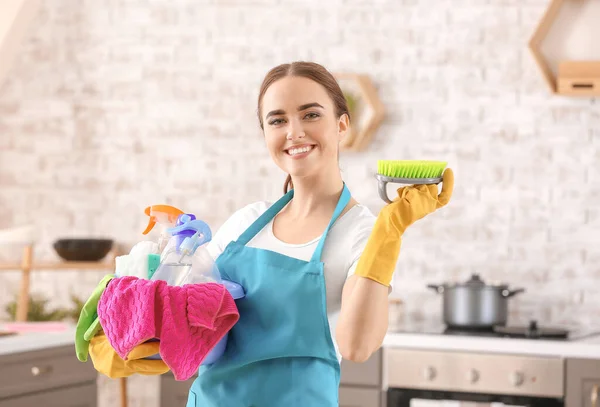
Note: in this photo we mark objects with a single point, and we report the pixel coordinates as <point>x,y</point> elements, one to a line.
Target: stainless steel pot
<point>475,304</point>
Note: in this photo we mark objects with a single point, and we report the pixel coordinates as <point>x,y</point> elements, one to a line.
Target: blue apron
<point>280,352</point>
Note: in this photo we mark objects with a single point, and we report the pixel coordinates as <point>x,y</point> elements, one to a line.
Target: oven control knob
<point>429,373</point>
<point>472,376</point>
<point>517,378</point>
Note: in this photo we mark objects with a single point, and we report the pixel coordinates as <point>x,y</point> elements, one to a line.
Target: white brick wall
<point>112,106</point>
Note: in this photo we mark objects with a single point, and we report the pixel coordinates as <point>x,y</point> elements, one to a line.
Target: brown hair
<point>310,70</point>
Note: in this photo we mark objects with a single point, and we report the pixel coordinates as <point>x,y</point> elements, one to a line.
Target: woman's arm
<point>364,315</point>
<point>363,319</point>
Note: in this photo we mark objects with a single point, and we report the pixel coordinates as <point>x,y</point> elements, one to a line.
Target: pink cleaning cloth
<point>189,321</point>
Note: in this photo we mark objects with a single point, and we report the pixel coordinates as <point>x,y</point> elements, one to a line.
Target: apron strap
<point>274,209</point>
<point>265,218</point>
<point>342,202</point>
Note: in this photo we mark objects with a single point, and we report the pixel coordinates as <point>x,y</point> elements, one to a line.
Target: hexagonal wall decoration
<point>366,110</point>
<point>573,76</point>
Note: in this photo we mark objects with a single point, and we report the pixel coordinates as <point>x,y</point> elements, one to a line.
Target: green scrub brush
<point>414,172</point>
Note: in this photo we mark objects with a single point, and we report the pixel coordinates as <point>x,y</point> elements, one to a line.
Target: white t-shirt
<point>345,243</point>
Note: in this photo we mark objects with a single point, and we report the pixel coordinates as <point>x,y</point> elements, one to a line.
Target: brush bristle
<point>411,168</point>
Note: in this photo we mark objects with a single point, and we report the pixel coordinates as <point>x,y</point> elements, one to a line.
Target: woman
<point>306,306</point>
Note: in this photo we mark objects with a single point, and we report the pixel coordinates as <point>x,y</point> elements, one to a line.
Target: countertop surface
<point>582,343</point>
<point>31,341</point>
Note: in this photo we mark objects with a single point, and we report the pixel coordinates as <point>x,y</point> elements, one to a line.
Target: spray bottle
<point>166,216</point>
<point>144,257</point>
<point>184,260</point>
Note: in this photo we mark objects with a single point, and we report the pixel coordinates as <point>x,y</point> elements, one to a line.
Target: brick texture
<point>112,106</point>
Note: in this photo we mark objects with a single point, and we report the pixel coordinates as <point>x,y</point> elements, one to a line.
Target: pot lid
<point>476,282</point>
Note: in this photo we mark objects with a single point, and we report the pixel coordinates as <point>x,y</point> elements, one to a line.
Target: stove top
<point>531,331</point>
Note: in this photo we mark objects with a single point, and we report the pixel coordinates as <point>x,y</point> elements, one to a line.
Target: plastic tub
<point>216,352</point>
<point>236,292</point>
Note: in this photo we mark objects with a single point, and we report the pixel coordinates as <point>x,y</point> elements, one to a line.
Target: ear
<point>343,126</point>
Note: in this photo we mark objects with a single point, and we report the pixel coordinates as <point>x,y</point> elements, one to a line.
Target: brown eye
<point>275,122</point>
<point>312,115</point>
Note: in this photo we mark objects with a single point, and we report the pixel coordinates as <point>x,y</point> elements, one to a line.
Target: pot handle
<point>510,293</point>
<point>437,287</point>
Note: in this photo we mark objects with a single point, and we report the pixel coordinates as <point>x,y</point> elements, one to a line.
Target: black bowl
<point>83,249</point>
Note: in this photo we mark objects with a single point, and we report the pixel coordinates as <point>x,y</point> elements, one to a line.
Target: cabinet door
<point>583,383</point>
<point>591,393</point>
<point>42,370</point>
<point>357,397</point>
<point>80,396</point>
<point>172,392</point>
<point>362,374</point>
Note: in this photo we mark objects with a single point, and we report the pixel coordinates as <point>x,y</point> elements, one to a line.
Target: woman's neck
<point>314,195</point>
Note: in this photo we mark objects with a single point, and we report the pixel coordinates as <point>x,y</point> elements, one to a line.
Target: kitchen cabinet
<point>49,377</point>
<point>78,396</point>
<point>356,397</point>
<point>360,385</point>
<point>173,392</point>
<point>583,383</point>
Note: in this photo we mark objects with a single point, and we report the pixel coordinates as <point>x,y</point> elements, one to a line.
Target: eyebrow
<point>300,108</point>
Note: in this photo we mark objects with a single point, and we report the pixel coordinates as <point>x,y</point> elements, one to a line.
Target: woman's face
<point>301,129</point>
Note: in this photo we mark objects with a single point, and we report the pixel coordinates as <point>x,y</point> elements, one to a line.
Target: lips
<point>299,149</point>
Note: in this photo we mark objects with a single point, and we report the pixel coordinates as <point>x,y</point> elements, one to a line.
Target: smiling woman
<point>308,304</point>
<point>294,258</point>
<point>298,98</point>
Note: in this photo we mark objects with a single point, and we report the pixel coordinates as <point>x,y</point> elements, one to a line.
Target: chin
<point>299,174</point>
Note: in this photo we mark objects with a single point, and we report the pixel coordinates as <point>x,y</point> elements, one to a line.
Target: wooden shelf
<point>108,263</point>
<point>579,78</point>
<point>574,78</point>
<point>27,266</point>
<point>65,265</point>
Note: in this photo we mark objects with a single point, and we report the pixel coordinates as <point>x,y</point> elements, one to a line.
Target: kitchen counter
<point>586,347</point>
<point>30,341</point>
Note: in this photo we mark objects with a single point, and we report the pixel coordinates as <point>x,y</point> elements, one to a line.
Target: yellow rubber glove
<point>378,260</point>
<point>107,362</point>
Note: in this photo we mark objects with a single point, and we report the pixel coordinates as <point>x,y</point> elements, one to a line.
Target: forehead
<point>292,91</point>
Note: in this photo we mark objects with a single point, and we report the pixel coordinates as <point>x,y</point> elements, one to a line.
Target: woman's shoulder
<point>243,217</point>
<point>235,225</point>
<point>361,215</point>
<point>357,223</point>
<point>252,211</point>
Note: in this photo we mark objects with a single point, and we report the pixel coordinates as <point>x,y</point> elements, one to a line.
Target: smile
<point>299,151</point>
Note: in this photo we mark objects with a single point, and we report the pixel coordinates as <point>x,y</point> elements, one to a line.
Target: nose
<point>295,131</point>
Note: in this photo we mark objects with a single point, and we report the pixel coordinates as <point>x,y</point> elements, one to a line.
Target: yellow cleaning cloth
<point>378,260</point>
<point>107,362</point>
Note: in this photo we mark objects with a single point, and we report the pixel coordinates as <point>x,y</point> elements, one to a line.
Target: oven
<point>514,380</point>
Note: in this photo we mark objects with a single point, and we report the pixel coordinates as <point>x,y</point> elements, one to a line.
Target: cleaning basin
<point>237,292</point>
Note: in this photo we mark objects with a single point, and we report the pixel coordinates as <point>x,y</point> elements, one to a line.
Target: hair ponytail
<point>288,184</point>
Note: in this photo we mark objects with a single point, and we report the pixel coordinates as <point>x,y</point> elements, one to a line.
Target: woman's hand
<point>378,260</point>
<point>417,201</point>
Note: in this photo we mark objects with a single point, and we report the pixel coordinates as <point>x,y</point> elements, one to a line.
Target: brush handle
<point>382,189</point>
<point>382,182</point>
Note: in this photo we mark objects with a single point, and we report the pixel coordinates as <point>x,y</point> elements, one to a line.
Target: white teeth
<point>301,150</point>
